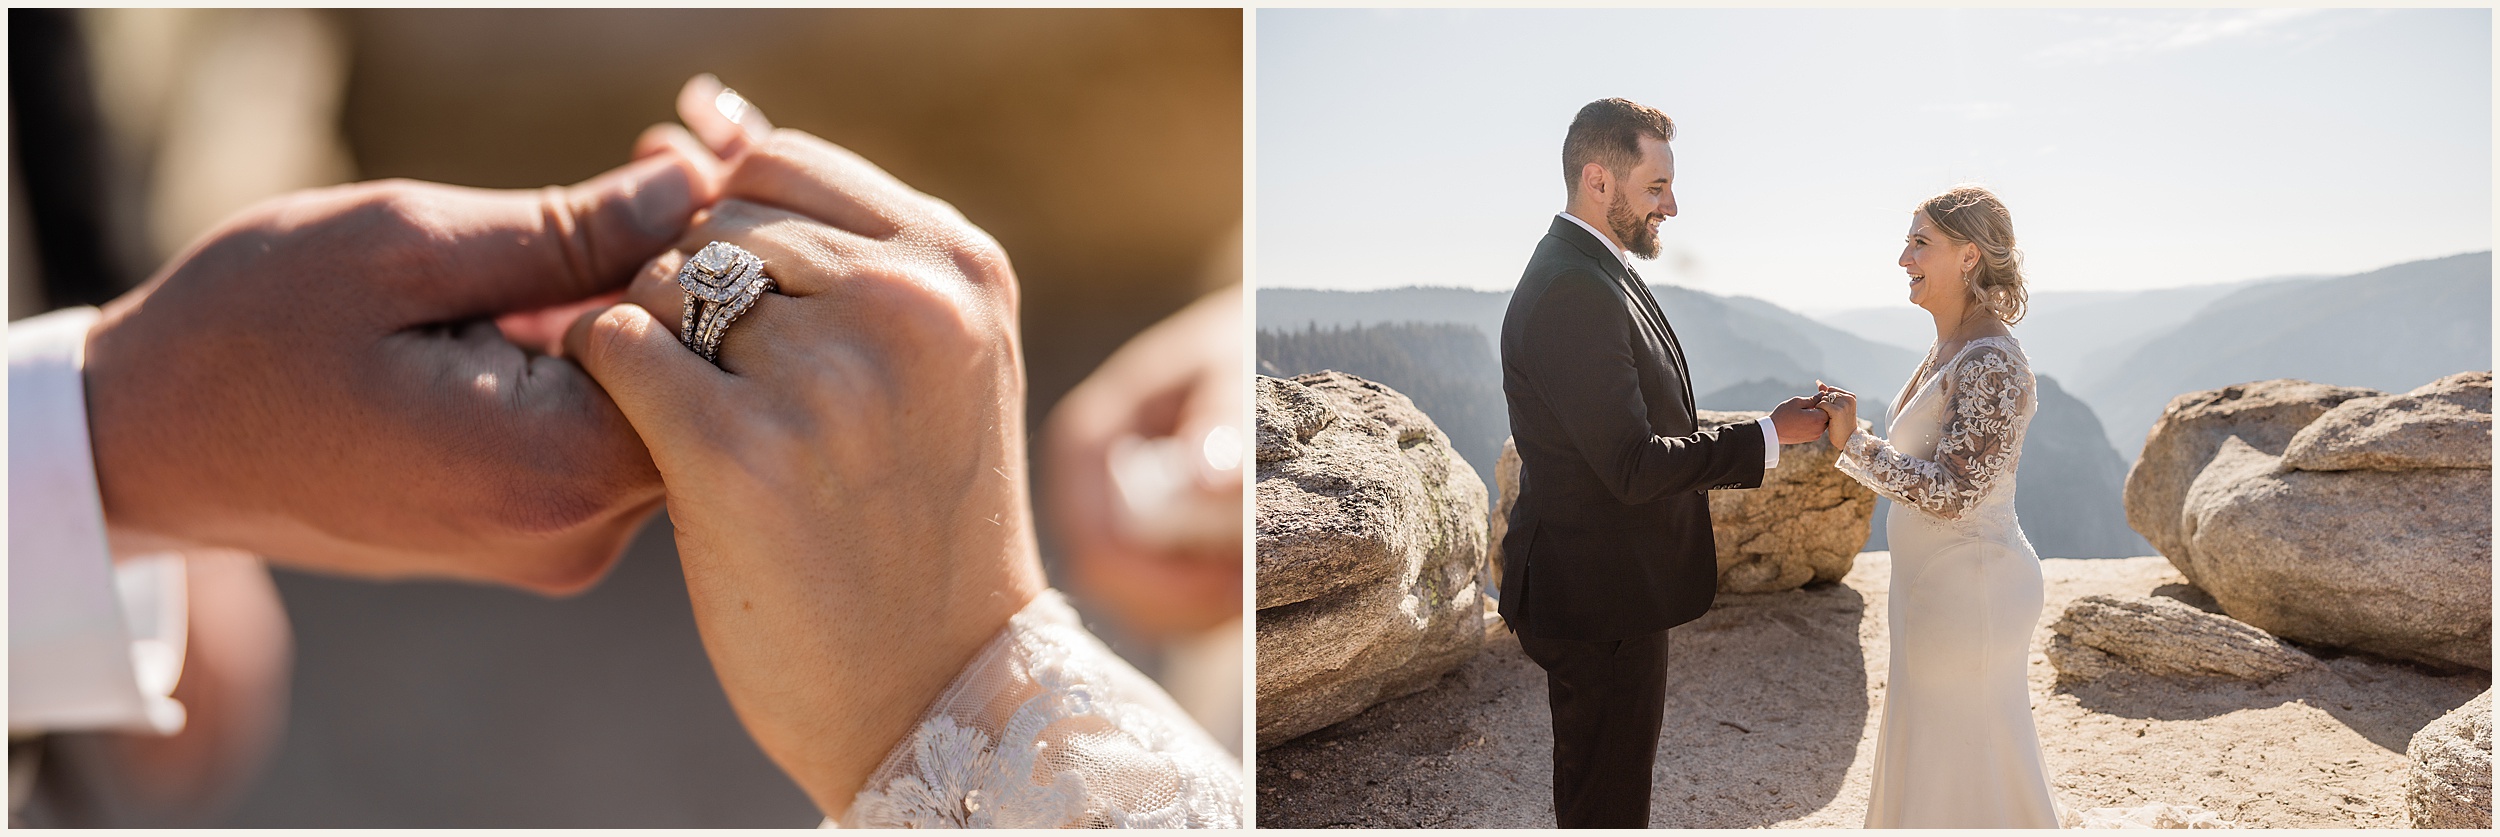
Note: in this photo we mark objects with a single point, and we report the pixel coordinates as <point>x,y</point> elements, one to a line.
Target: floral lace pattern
<point>1989,392</point>
<point>1046,728</point>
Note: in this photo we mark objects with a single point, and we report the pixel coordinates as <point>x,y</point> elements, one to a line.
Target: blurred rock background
<point>1101,147</point>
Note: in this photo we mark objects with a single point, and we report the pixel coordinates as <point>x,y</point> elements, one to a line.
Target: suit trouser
<point>1609,699</point>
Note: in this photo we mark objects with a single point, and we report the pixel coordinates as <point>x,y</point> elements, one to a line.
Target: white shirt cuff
<point>1770,444</point>
<point>93,643</point>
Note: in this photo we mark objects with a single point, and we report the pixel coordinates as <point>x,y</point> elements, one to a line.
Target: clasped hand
<point>319,379</point>
<point>337,379</point>
<point>1799,420</point>
<point>1841,406</point>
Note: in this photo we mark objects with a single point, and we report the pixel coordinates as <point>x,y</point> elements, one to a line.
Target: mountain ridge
<point>1741,351</point>
<point>2126,353</point>
<point>2392,329</point>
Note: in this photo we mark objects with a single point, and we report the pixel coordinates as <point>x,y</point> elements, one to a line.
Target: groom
<point>1609,543</point>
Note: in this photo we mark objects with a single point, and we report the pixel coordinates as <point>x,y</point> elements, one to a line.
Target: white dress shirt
<point>1770,432</point>
<point>94,643</point>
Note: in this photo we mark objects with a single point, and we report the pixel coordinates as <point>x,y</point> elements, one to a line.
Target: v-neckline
<point>1903,408</point>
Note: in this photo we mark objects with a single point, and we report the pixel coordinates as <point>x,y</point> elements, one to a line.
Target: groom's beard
<point>1631,229</point>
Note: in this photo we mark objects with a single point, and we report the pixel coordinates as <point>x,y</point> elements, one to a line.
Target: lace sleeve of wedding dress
<point>1046,728</point>
<point>1986,389</point>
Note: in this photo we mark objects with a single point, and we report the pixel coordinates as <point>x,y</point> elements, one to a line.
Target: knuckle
<point>655,290</point>
<point>978,256</point>
<point>940,322</point>
<point>402,204</point>
<point>610,334</point>
<point>953,253</point>
<point>397,224</point>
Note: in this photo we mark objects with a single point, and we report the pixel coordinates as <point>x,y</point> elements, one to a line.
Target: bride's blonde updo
<point>1971,214</point>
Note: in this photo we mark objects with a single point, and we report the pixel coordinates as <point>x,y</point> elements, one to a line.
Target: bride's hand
<point>848,485</point>
<point>1842,406</point>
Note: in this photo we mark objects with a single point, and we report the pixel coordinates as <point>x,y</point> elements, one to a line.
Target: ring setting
<point>721,282</point>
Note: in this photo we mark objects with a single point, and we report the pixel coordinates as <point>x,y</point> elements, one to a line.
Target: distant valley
<point>2108,362</point>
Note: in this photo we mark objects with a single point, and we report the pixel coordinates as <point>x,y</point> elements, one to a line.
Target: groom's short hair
<point>1608,132</point>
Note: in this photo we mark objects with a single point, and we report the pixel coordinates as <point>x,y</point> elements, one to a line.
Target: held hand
<point>318,380</point>
<point>848,485</point>
<point>1798,420</point>
<point>1842,406</point>
<point>1180,380</point>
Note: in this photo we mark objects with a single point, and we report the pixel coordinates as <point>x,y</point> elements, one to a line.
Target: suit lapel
<point>1644,305</point>
<point>1675,348</point>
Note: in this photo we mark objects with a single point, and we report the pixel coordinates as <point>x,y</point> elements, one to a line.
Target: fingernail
<point>731,105</point>
<point>735,108</point>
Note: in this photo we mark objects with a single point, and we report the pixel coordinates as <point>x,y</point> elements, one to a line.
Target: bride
<point>1957,747</point>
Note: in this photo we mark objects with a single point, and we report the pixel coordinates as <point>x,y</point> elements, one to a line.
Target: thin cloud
<point>2135,35</point>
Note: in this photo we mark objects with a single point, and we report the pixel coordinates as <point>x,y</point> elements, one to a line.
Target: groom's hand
<point>1798,420</point>
<point>321,380</point>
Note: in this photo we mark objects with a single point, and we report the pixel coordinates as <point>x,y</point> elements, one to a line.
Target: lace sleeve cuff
<point>1854,456</point>
<point>1900,478</point>
<point>1046,728</point>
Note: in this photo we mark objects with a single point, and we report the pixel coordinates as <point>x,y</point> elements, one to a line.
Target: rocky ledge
<point>2450,784</point>
<point>1773,702</point>
<point>2101,635</point>
<point>1370,530</point>
<point>2331,515</point>
<point>1793,743</point>
<point>1803,525</point>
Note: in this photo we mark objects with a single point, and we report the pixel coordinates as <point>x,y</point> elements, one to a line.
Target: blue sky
<point>2136,148</point>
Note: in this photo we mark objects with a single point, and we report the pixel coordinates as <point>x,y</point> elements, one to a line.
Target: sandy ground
<point>1772,709</point>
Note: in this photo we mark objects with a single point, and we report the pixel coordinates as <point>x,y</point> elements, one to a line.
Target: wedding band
<point>721,282</point>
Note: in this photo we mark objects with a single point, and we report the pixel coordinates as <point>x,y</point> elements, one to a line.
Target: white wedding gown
<point>1957,747</point>
<point>1047,728</point>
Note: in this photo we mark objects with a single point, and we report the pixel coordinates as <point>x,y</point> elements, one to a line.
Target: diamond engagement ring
<point>721,282</point>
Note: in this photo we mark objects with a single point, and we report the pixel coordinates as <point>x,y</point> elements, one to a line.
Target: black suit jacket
<point>1610,538</point>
